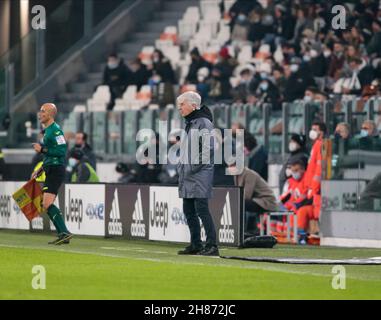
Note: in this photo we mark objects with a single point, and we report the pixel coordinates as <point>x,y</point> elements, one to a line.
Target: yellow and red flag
<point>29,199</point>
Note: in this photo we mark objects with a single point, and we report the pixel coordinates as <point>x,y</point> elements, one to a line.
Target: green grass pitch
<point>96,268</point>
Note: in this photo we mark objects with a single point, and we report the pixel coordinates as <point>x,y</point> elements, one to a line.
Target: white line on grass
<point>253,266</point>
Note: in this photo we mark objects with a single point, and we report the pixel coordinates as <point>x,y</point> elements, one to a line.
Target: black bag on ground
<point>259,242</point>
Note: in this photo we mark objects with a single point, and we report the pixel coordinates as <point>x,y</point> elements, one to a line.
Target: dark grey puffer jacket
<point>196,180</point>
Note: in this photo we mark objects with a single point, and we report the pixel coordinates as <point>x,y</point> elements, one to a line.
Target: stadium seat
<point>187,29</point>
<point>169,34</point>
<point>146,54</point>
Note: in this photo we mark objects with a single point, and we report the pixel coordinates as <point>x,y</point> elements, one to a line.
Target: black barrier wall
<point>152,212</point>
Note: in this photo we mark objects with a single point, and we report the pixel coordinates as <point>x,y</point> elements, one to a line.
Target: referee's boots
<point>63,238</point>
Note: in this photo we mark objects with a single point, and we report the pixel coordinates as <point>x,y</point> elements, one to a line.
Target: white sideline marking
<point>248,266</point>
<point>135,250</point>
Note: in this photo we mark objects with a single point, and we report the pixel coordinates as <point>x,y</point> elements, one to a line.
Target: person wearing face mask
<point>314,171</point>
<point>369,136</point>
<point>240,30</point>
<point>298,152</point>
<point>318,64</point>
<point>82,144</point>
<point>295,198</point>
<point>116,76</point>
<point>240,6</point>
<point>79,170</point>
<point>298,81</point>
<point>309,95</point>
<point>267,92</point>
<point>245,87</point>
<point>198,62</point>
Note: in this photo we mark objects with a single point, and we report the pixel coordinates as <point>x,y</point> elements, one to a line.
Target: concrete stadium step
<point>92,76</point>
<point>159,25</point>
<point>67,107</point>
<point>145,36</point>
<point>69,97</point>
<point>81,87</point>
<point>128,57</point>
<point>179,5</point>
<point>171,12</point>
<point>134,47</point>
<point>168,15</point>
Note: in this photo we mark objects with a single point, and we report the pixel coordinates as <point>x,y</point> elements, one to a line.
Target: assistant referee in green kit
<point>54,149</point>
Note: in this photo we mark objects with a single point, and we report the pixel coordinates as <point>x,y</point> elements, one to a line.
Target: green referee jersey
<point>54,146</point>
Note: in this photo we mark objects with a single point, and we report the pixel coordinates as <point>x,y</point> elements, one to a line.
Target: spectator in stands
<point>126,174</point>
<point>267,92</point>
<point>361,73</point>
<point>198,62</point>
<point>369,136</point>
<point>284,23</point>
<point>247,85</point>
<point>256,156</point>
<point>337,60</point>
<point>259,198</point>
<point>374,46</point>
<point>279,80</point>
<point>80,169</point>
<point>116,76</point>
<point>163,68</point>
<point>321,96</point>
<point>295,198</point>
<point>220,79</point>
<point>318,64</point>
<point>314,171</point>
<point>297,81</point>
<point>163,79</point>
<point>139,74</point>
<point>343,131</point>
<point>369,129</point>
<point>310,94</point>
<point>342,140</point>
<point>256,30</point>
<point>298,152</point>
<point>347,83</point>
<point>202,86</point>
<point>148,168</point>
<point>241,6</point>
<point>82,144</point>
<point>240,30</point>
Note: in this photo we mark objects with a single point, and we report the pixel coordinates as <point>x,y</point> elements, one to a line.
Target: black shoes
<point>191,250</point>
<point>63,238</point>
<point>210,251</point>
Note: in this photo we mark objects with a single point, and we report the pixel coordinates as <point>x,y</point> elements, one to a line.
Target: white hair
<point>192,97</point>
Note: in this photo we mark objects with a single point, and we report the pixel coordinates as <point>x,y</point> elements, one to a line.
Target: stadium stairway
<point>79,91</point>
